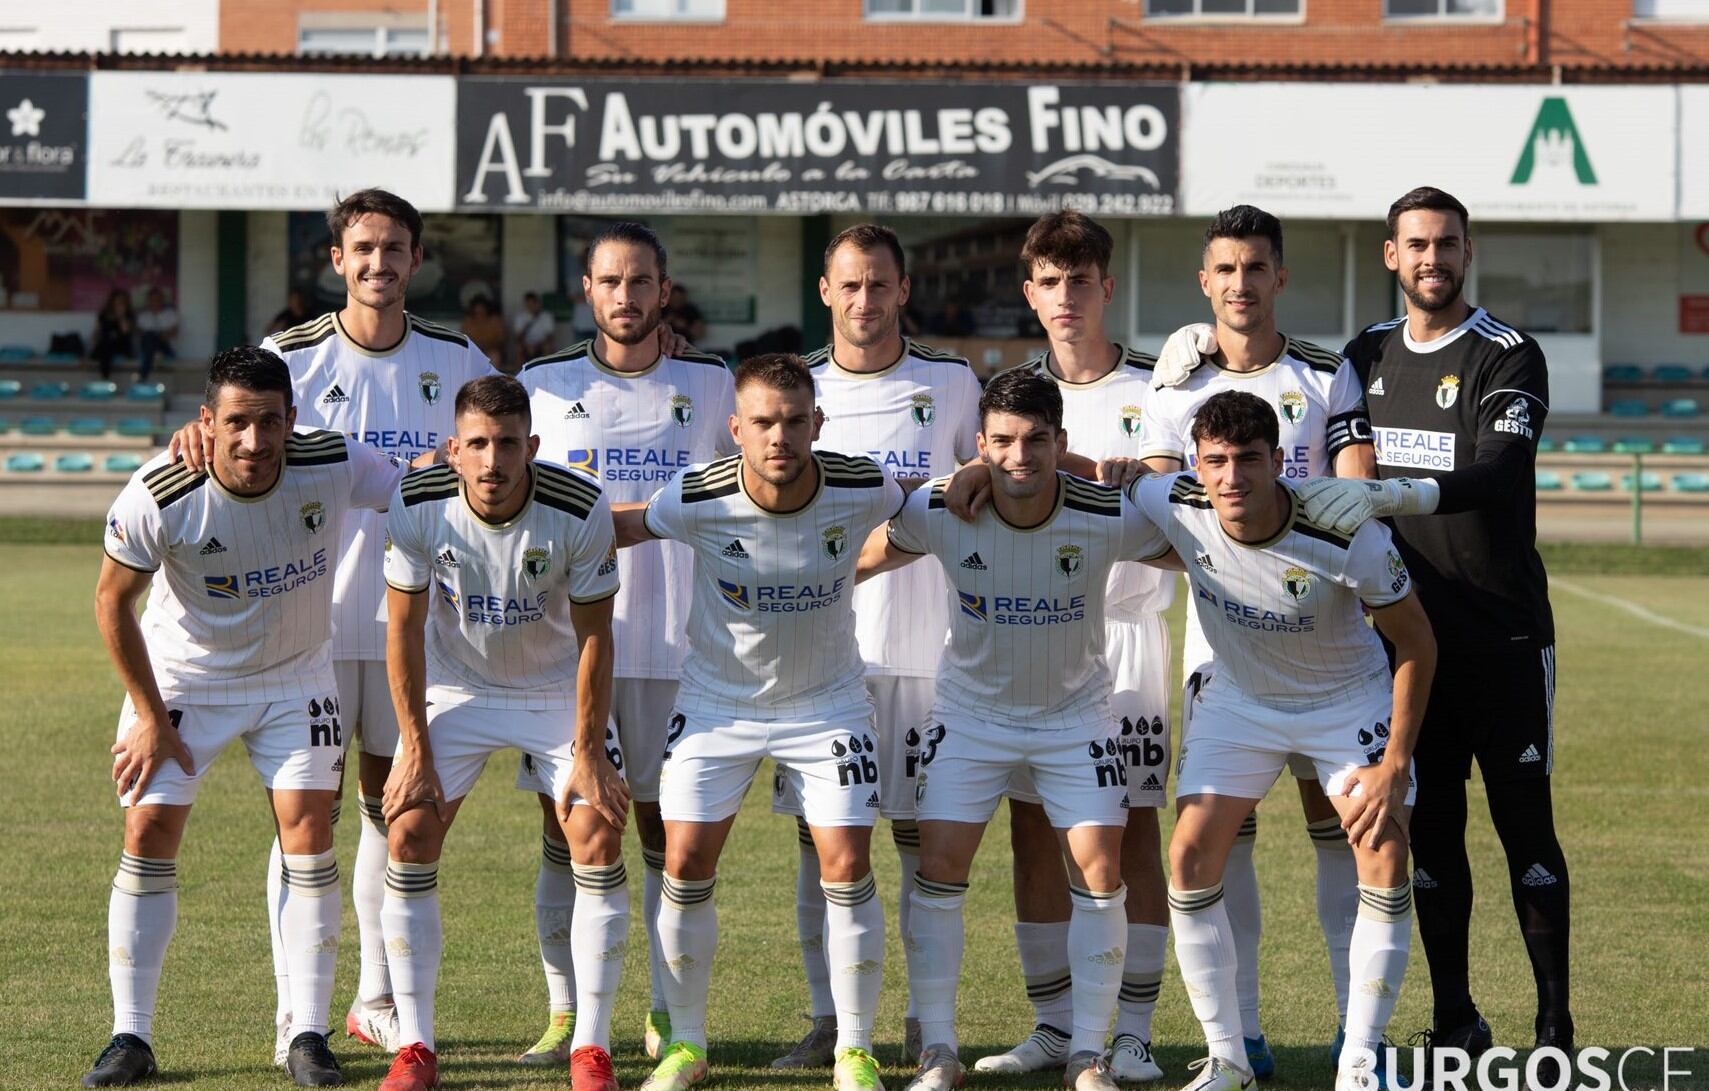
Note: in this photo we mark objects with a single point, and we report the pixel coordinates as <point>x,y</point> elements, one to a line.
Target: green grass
<point>1632,797</point>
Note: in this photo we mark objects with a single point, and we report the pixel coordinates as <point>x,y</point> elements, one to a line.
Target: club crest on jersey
<point>682,410</point>
<point>836,542</point>
<point>1069,559</point>
<point>1293,407</point>
<point>535,562</point>
<point>313,516</point>
<point>1132,417</point>
<point>430,387</point>
<point>1296,581</point>
<point>1448,391</point>
<point>924,410</point>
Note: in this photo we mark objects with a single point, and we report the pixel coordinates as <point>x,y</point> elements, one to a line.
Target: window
<point>1442,9</point>
<point>364,40</point>
<point>943,10</point>
<point>1540,283</point>
<point>667,9</point>
<point>1223,9</point>
<point>1684,11</point>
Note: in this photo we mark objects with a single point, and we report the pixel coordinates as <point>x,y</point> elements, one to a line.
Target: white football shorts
<point>641,709</point>
<point>900,707</point>
<point>967,764</point>
<point>463,735</point>
<point>366,699</point>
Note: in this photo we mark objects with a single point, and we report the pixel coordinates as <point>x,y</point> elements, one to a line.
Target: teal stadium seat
<point>1679,407</point>
<point>1671,373</point>
<point>1546,445</point>
<point>10,388</point>
<point>1623,373</point>
<point>38,426</point>
<point>1629,407</point>
<point>5,425</point>
<point>50,392</point>
<point>1592,481</point>
<point>1634,445</point>
<point>87,426</point>
<point>123,464</point>
<point>62,358</point>
<point>74,462</point>
<point>24,462</point>
<point>1548,481</point>
<point>1683,445</point>
<point>1692,483</point>
<point>99,391</point>
<point>1647,482</point>
<point>16,354</point>
<point>135,427</point>
<point>147,392</point>
<point>1585,445</point>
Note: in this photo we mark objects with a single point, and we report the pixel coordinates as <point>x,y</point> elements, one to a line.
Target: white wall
<point>101,26</point>
<point>268,271</point>
<point>1641,284</point>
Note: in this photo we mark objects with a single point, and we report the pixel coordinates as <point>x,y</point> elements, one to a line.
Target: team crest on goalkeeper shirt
<point>430,387</point>
<point>1296,581</point>
<point>313,516</point>
<point>836,542</point>
<point>923,410</point>
<point>1069,559</point>
<point>535,562</point>
<point>682,410</point>
<point>1293,406</point>
<point>1132,419</point>
<point>1448,391</point>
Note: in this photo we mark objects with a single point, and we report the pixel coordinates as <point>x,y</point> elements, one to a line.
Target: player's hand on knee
<point>969,490</point>
<point>1121,472</point>
<point>412,783</point>
<point>149,744</point>
<point>1381,797</point>
<point>1185,350</point>
<point>599,786</point>
<point>193,444</point>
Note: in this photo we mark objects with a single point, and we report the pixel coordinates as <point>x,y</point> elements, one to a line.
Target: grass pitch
<point>1632,800</point>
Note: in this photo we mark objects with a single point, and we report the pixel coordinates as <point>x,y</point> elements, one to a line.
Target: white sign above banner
<point>1694,152</point>
<point>1346,151</point>
<point>259,141</point>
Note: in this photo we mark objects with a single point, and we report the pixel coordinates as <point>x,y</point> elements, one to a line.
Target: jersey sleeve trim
<point>422,590</point>
<point>596,598</point>
<point>437,332</point>
<point>647,526</point>
<point>1514,390</point>
<point>1396,601</point>
<point>132,567</point>
<point>850,472</point>
<point>1187,491</point>
<point>712,481</point>
<point>317,448</point>
<point>576,351</point>
<point>890,535</point>
<point>564,490</point>
<point>172,482</point>
<point>1313,356</point>
<point>1322,534</point>
<point>1090,497</point>
<point>307,335</point>
<point>427,484</point>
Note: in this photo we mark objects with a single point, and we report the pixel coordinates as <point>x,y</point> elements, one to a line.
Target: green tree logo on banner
<point>1554,137</point>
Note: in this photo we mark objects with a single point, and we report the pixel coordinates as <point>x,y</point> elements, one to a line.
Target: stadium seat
<point>74,462</point>
<point>5,426</point>
<point>1683,445</point>
<point>1629,407</point>
<point>123,464</point>
<point>10,388</point>
<point>147,392</point>
<point>15,354</point>
<point>1679,407</point>
<point>87,426</point>
<point>99,391</point>
<point>48,392</point>
<point>135,427</point>
<point>1634,445</point>
<point>62,358</point>
<point>38,426</point>
<point>1647,482</point>
<point>1585,445</point>
<point>1545,445</point>
<point>1548,481</point>
<point>24,462</point>
<point>1622,373</point>
<point>1693,483</point>
<point>1592,481</point>
<point>1671,373</point>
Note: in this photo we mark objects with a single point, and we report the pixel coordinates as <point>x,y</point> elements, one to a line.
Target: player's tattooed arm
<point>880,554</point>
<point>593,777</point>
<point>1383,797</point>
<point>153,740</point>
<point>630,523</point>
<point>413,781</point>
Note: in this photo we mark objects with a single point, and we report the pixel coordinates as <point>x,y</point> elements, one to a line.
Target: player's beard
<point>1448,297</point>
<point>379,296</point>
<point>777,478</point>
<point>867,336</point>
<point>1244,322</point>
<point>643,329</point>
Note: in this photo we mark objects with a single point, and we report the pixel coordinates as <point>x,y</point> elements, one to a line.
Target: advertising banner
<point>43,136</point>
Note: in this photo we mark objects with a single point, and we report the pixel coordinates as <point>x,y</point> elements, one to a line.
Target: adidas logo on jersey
<point>576,412</point>
<point>1537,875</point>
<point>334,396</point>
<point>972,563</point>
<point>212,547</point>
<point>1421,880</point>
<point>872,800</point>
<point>1376,387</point>
<point>447,560</point>
<point>1152,784</point>
<point>1530,755</point>
<point>734,549</point>
<point>1203,560</point>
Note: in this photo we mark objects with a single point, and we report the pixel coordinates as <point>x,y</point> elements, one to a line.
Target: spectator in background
<point>157,326</point>
<point>684,317</point>
<point>485,327</point>
<point>296,312</point>
<point>534,328</point>
<point>115,332</point>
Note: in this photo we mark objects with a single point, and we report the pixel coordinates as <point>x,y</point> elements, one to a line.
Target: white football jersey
<point>399,400</point>
<point>771,630</point>
<point>240,609</point>
<point>1104,419</point>
<point>1026,632</point>
<point>1315,393</point>
<point>1283,616</point>
<point>499,633</point>
<point>918,419</point>
<point>633,432</point>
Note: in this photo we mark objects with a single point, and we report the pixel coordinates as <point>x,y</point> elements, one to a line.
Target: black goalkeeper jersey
<point>1465,409</point>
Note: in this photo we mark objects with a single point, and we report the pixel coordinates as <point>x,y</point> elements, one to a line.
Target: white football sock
<point>906,834</point>
<point>309,925</point>
<point>1142,979</point>
<point>600,935</point>
<point>142,912</point>
<point>688,935</point>
<point>1337,899</point>
<point>1382,939</point>
<point>810,924</point>
<point>652,888</point>
<point>854,955</point>
<point>1043,947</point>
<point>554,913</point>
<point>1097,951</point>
<point>275,906</point>
<point>1246,919</point>
<point>1204,946</point>
<point>414,941</point>
<point>939,929</point>
<point>368,893</point>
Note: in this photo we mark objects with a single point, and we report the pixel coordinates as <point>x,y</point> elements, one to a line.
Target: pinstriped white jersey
<point>398,400</point>
<point>1282,616</point>
<point>633,432</point>
<point>498,622</point>
<point>240,609</point>
<point>1104,419</point>
<point>1026,634</point>
<point>917,418</point>
<point>771,630</point>
<point>1314,391</point>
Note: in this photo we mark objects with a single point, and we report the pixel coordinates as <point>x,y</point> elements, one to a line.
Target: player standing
<point>914,410</point>
<point>632,416</point>
<point>501,573</point>
<point>1281,600</point>
<point>1323,428</point>
<point>233,644</point>
<point>1023,689</point>
<point>773,670</point>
